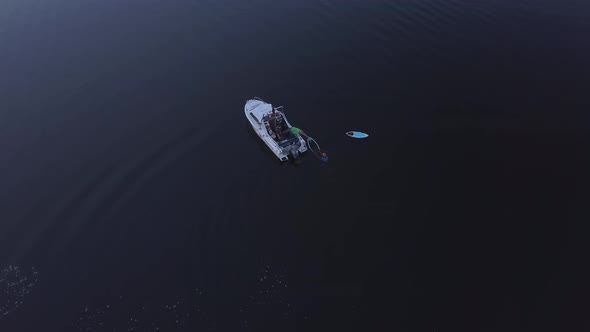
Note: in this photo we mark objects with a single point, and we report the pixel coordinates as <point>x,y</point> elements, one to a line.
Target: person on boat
<point>278,125</point>
<point>273,126</point>
<point>291,132</point>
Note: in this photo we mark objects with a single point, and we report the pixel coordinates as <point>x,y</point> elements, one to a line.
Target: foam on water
<point>268,300</point>
<point>15,286</point>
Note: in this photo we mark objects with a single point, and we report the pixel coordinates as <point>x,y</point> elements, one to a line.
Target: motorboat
<point>271,125</point>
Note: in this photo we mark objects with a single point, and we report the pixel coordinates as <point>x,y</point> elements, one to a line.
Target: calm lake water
<point>135,197</point>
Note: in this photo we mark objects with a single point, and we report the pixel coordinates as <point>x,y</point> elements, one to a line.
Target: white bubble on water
<point>15,286</point>
<point>268,298</point>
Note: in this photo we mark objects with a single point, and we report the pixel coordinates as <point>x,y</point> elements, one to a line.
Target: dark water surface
<point>134,197</point>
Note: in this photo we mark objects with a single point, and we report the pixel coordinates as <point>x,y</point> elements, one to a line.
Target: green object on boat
<point>295,131</point>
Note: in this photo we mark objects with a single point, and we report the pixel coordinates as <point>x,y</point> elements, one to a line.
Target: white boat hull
<point>256,110</point>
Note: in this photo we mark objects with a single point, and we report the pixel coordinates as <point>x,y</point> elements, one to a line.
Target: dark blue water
<point>134,196</point>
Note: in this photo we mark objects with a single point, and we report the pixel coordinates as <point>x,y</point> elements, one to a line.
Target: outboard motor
<point>292,150</point>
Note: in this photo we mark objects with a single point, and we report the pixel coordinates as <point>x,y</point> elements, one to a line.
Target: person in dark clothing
<point>285,134</point>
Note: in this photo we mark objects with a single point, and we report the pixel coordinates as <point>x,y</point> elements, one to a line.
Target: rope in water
<point>317,151</point>
<point>311,143</point>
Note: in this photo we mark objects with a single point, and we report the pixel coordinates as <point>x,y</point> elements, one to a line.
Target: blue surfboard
<point>356,134</point>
